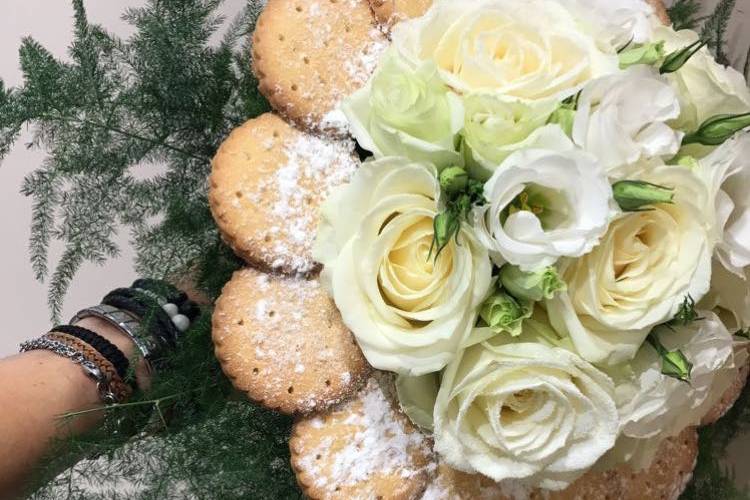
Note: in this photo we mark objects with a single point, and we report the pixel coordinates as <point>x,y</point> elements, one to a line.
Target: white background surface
<point>23,306</point>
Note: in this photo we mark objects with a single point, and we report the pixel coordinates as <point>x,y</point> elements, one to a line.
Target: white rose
<point>406,112</point>
<point>543,205</point>
<point>494,128</point>
<point>705,87</point>
<point>528,49</point>
<point>524,410</point>
<point>727,171</point>
<point>408,311</point>
<point>622,118</point>
<point>640,274</point>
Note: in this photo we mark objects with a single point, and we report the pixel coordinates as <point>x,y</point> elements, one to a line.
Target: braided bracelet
<point>106,348</point>
<point>67,351</point>
<point>114,390</point>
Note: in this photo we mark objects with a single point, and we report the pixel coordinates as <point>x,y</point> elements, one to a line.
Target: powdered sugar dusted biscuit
<point>310,54</point>
<point>392,11</point>
<point>282,342</point>
<point>363,449</point>
<point>267,183</point>
<point>666,479</point>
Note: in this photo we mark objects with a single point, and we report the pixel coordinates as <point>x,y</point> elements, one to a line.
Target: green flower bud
<point>717,129</point>
<point>445,226</point>
<point>633,196</point>
<point>503,313</point>
<point>453,180</point>
<point>649,54</point>
<point>533,286</point>
<point>673,363</point>
<point>564,116</point>
<point>677,59</point>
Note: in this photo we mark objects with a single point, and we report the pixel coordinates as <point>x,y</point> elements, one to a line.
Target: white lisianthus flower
<point>406,112</point>
<point>494,128</point>
<point>654,405</point>
<point>544,204</point>
<point>529,49</point>
<point>640,274</point>
<point>408,310</point>
<point>524,410</point>
<point>706,88</point>
<point>617,22</point>
<point>727,172</point>
<point>622,118</point>
<point>731,293</point>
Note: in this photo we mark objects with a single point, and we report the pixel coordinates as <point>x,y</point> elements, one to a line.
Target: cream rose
<point>408,310</point>
<point>543,205</point>
<point>705,87</point>
<point>530,49</point>
<point>640,274</point>
<point>524,410</point>
<point>614,123</point>
<point>404,111</point>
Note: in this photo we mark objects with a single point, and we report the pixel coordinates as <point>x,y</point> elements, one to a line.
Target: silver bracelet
<point>123,321</point>
<point>90,369</point>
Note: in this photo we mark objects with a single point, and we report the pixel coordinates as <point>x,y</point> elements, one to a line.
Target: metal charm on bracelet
<point>90,369</point>
<point>126,323</point>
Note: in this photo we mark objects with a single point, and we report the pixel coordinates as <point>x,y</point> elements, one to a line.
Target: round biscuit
<point>308,55</point>
<point>266,186</point>
<point>389,12</point>
<point>282,342</point>
<point>364,449</point>
<point>666,479</point>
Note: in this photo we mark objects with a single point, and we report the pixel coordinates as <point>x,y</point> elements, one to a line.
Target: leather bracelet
<point>113,389</point>
<point>106,348</point>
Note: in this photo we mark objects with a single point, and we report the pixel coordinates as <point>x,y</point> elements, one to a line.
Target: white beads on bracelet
<point>181,322</point>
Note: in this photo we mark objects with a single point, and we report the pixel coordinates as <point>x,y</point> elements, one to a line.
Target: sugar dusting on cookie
<point>314,167</point>
<point>380,445</point>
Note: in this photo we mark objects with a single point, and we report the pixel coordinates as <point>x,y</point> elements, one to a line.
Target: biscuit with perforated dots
<point>665,479</point>
<point>308,55</point>
<point>282,342</point>
<point>363,449</point>
<point>266,186</point>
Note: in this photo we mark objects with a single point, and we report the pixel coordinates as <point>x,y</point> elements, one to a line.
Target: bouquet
<point>549,246</point>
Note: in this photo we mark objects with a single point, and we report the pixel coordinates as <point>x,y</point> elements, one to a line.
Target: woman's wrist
<point>124,343</point>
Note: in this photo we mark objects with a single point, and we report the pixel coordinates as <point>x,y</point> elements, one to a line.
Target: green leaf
<point>718,129</point>
<point>673,363</point>
<point>635,196</point>
<point>686,315</point>
<point>684,14</point>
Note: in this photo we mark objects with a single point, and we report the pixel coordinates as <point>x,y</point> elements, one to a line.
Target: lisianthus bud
<point>503,313</point>
<point>677,59</point>
<point>445,226</point>
<point>673,363</point>
<point>648,54</point>
<point>453,180</point>
<point>532,286</point>
<point>633,196</point>
<point>716,130</point>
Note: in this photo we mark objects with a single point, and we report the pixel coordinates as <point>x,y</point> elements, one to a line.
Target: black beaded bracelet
<point>159,325</point>
<point>106,348</point>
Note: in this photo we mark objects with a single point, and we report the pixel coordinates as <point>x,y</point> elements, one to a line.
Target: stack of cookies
<point>277,333</point>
